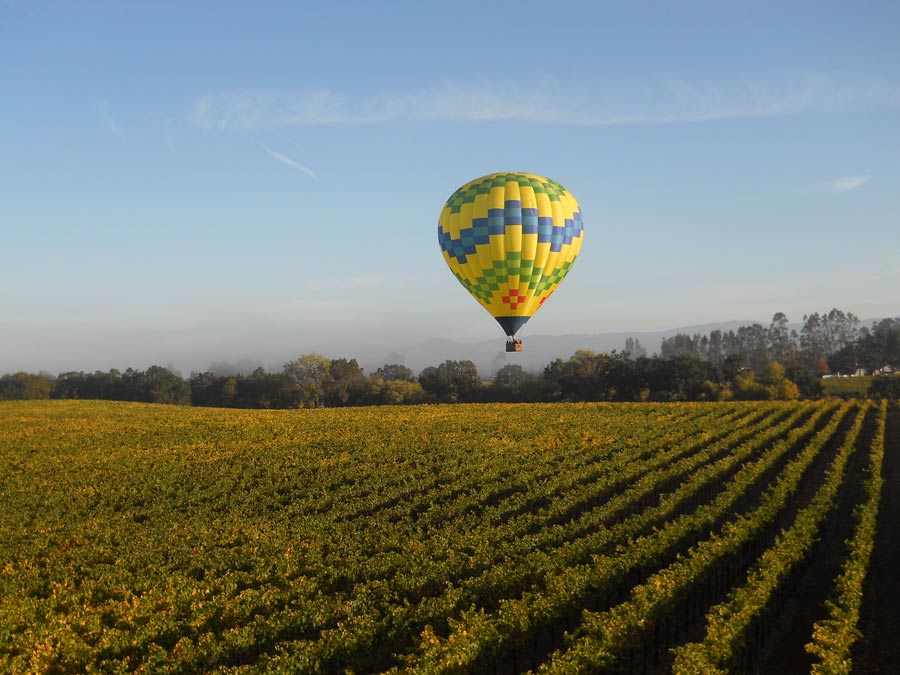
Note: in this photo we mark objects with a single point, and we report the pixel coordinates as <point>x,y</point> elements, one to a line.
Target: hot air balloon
<point>510,238</point>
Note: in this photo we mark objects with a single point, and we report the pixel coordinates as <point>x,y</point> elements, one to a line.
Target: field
<point>557,538</point>
<point>847,386</point>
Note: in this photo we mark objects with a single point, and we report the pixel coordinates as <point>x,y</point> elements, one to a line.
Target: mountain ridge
<point>539,350</point>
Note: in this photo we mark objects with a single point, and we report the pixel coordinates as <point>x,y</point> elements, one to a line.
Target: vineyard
<point>542,538</point>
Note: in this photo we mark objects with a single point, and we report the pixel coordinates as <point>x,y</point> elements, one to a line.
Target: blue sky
<point>188,182</point>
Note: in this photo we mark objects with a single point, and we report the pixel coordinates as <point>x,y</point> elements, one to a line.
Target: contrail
<point>288,161</point>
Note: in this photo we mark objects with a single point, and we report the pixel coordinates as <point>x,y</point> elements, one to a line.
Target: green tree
<point>25,386</point>
<point>680,344</point>
<point>581,377</point>
<point>394,392</point>
<point>846,360</point>
<point>781,344</point>
<point>263,390</point>
<point>634,348</point>
<point>746,388</point>
<point>885,386</point>
<point>311,373</point>
<point>683,378</point>
<point>780,387</point>
<point>512,383</point>
<point>808,385</point>
<point>163,386</point>
<point>754,341</point>
<point>588,376</point>
<point>346,384</point>
<point>394,371</point>
<point>879,345</point>
<point>715,352</point>
<point>451,381</point>
<point>510,376</point>
<point>209,389</point>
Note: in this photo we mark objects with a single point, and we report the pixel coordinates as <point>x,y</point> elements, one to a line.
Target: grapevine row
<point>833,638</point>
<point>602,637</point>
<point>381,616</point>
<point>512,570</point>
<point>479,637</point>
<point>204,585</point>
<point>728,622</point>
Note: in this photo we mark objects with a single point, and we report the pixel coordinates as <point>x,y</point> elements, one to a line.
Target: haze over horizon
<point>184,184</point>
<point>487,352</point>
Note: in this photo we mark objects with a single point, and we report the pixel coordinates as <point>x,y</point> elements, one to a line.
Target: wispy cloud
<point>288,161</point>
<point>658,101</point>
<point>849,183</point>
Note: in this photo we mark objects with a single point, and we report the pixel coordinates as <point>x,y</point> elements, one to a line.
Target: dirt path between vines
<point>878,651</point>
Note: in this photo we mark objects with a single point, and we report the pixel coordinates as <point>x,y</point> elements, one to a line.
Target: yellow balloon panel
<point>510,238</point>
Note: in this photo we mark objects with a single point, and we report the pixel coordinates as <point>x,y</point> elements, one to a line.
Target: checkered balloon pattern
<point>510,238</point>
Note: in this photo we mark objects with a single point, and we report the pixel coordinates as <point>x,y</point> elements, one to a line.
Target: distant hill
<point>489,355</point>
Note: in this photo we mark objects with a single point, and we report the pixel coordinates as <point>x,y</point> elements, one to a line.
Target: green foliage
<point>847,386</point>
<point>311,373</point>
<point>140,538</point>
<point>513,383</point>
<point>773,384</point>
<point>833,637</point>
<point>25,387</point>
<point>728,624</point>
<point>828,342</point>
<point>394,392</point>
<point>345,384</point>
<point>393,371</point>
<point>808,384</point>
<point>885,386</point>
<point>746,388</point>
<point>451,381</point>
<point>587,376</point>
<point>510,377</point>
<point>875,348</point>
<point>310,381</point>
<point>154,385</point>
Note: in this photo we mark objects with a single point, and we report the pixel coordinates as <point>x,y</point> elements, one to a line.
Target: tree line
<point>753,363</point>
<point>832,342</point>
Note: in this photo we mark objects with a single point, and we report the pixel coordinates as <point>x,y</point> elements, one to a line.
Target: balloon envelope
<point>510,238</point>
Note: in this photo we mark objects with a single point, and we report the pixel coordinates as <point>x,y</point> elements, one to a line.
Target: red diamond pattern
<point>513,299</point>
